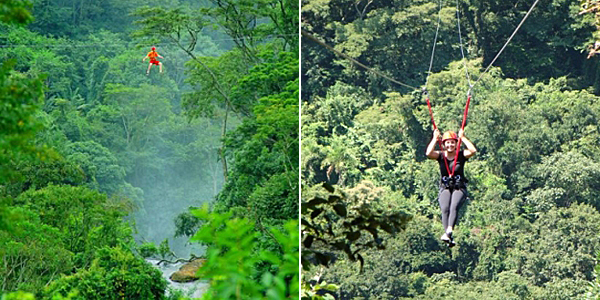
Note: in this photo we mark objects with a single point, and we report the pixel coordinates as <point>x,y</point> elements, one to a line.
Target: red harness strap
<point>435,127</point>
<point>461,127</point>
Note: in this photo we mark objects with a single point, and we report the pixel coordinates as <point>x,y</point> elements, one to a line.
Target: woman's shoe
<point>445,238</point>
<point>451,242</point>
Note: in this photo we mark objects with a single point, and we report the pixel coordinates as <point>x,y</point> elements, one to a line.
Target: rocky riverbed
<point>189,285</point>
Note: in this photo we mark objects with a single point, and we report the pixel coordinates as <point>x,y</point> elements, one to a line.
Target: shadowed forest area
<point>370,215</point>
<point>103,166</point>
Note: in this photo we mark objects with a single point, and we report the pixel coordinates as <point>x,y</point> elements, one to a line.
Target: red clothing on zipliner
<point>153,55</point>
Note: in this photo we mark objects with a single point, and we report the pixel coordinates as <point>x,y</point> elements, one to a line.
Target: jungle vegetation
<point>530,227</point>
<point>95,154</point>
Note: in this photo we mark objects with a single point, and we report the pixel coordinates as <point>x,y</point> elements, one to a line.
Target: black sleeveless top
<point>460,164</point>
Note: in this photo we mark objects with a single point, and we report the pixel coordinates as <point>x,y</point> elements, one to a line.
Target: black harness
<point>455,182</point>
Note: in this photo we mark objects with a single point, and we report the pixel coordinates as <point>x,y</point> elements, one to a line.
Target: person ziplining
<point>453,183</point>
<point>153,55</point>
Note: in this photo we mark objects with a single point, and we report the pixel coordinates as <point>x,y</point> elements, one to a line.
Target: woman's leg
<point>457,199</point>
<point>444,199</point>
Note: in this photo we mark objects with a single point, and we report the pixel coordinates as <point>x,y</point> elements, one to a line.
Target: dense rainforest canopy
<point>100,162</point>
<point>529,229</point>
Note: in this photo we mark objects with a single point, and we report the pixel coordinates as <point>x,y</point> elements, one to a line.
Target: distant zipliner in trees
<point>153,55</point>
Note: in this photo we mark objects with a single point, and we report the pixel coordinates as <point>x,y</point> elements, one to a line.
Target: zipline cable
<point>505,44</point>
<point>427,80</point>
<point>424,89</point>
<point>462,127</point>
<point>451,174</point>
<point>434,42</point>
<point>310,36</point>
<point>462,52</point>
<point>435,126</point>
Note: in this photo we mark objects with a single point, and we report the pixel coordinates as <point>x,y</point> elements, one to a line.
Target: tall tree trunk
<point>222,150</point>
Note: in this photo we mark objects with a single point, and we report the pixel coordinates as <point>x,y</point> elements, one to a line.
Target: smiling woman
<point>453,184</point>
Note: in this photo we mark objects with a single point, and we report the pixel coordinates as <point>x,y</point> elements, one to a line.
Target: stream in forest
<point>193,289</point>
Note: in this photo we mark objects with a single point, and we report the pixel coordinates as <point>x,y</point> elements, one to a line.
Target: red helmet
<point>449,135</point>
<point>153,48</point>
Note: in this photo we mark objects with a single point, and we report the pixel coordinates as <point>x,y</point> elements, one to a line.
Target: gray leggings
<point>450,203</point>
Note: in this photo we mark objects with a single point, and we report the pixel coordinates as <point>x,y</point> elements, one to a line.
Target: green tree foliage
<point>214,88</point>
<point>531,50</point>
<point>334,225</point>
<point>318,291</point>
<point>400,33</point>
<point>242,20</point>
<point>21,97</point>
<point>115,274</point>
<point>76,19</point>
<point>33,253</point>
<point>102,169</point>
<point>147,250</point>
<point>589,7</point>
<point>284,21</point>
<point>265,150</point>
<point>564,248</point>
<point>86,219</point>
<point>265,146</point>
<point>594,286</point>
<point>325,123</point>
<point>232,261</point>
<point>38,174</point>
<point>527,230</point>
<point>255,80</point>
<point>56,230</point>
<point>73,82</point>
<point>562,187</point>
<point>15,11</point>
<point>228,82</point>
<point>30,50</point>
<point>396,37</point>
